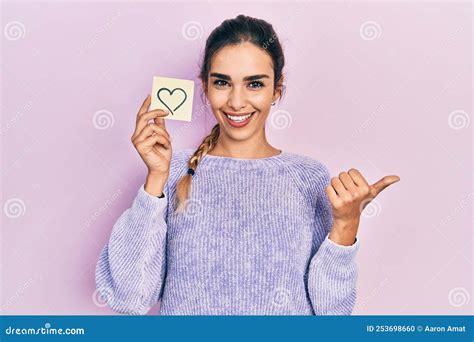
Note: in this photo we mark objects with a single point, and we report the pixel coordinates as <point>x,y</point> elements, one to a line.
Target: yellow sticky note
<point>175,95</point>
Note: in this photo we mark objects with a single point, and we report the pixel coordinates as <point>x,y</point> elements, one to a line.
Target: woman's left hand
<point>349,194</point>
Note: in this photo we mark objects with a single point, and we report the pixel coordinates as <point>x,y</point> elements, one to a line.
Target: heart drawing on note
<point>172,102</point>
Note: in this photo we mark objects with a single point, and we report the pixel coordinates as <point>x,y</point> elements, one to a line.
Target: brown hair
<point>230,32</point>
<point>183,187</point>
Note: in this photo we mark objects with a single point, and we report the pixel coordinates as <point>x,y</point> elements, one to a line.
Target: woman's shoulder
<point>307,166</point>
<point>182,155</point>
<point>179,160</point>
<point>310,175</point>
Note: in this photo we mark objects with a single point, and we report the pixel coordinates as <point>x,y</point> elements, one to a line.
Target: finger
<point>377,187</point>
<point>164,141</point>
<point>145,105</point>
<point>157,129</point>
<point>150,130</point>
<point>339,187</point>
<point>154,139</point>
<point>144,118</point>
<point>332,195</point>
<point>347,181</point>
<point>160,122</point>
<point>357,177</point>
<point>147,116</point>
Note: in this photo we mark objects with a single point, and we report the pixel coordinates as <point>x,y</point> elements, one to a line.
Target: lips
<point>236,119</point>
<point>238,114</point>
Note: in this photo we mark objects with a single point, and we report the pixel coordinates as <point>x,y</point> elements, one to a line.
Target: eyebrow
<point>247,78</point>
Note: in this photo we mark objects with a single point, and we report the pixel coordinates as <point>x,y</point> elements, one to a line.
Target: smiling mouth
<point>239,118</point>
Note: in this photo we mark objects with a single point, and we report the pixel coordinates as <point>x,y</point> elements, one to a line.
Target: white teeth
<point>238,118</point>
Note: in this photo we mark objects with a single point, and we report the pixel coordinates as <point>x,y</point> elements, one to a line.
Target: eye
<point>220,83</point>
<point>256,84</point>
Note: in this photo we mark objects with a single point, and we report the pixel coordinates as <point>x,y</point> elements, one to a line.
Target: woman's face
<point>241,82</point>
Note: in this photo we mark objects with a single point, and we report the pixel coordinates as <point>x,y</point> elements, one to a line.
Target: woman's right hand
<point>152,141</point>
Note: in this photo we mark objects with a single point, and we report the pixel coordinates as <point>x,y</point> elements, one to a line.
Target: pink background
<point>385,87</point>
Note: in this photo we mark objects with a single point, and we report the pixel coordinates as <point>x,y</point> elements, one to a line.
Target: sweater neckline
<point>241,163</point>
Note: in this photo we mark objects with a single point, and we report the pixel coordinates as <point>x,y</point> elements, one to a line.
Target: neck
<point>255,147</point>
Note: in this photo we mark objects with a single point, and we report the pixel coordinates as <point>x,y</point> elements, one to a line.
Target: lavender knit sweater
<point>253,241</point>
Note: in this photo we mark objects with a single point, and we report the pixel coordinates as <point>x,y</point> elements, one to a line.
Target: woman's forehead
<point>239,61</point>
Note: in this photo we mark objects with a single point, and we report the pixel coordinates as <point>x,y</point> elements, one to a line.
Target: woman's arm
<point>131,268</point>
<point>332,279</point>
<point>332,273</point>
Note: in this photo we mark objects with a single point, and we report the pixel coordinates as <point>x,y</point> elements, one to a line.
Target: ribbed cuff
<point>149,202</point>
<point>338,253</point>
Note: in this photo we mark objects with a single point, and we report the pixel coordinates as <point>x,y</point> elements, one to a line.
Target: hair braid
<point>183,187</point>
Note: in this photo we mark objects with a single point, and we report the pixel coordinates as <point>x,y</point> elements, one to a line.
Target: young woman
<point>263,231</point>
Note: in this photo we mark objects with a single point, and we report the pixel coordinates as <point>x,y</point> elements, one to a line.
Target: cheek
<point>261,100</point>
<point>217,98</point>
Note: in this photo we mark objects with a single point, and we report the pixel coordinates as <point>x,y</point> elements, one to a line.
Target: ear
<point>278,89</point>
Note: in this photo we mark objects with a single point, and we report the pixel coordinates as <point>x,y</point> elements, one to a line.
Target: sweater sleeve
<point>131,268</point>
<point>332,273</point>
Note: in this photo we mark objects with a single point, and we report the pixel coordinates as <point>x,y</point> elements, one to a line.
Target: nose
<point>236,99</point>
